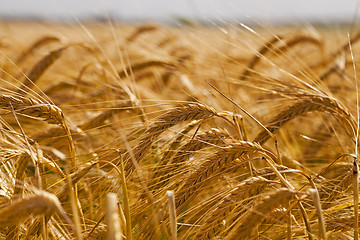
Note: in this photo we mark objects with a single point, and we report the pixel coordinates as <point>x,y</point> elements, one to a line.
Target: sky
<point>322,11</point>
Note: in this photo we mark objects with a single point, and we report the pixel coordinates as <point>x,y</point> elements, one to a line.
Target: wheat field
<point>148,131</point>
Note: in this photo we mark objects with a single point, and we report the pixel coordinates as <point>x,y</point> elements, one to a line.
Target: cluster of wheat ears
<point>156,132</point>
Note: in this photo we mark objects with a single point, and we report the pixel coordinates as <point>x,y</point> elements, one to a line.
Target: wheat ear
<point>39,69</point>
<point>297,40</point>
<point>190,111</point>
<point>346,46</point>
<point>37,44</point>
<point>213,137</point>
<point>140,30</point>
<point>305,104</point>
<point>212,166</point>
<point>101,118</point>
<point>39,203</point>
<point>176,143</point>
<point>257,57</point>
<point>248,188</point>
<point>20,173</point>
<point>254,216</point>
<point>31,107</point>
<point>34,108</point>
<point>340,221</point>
<point>271,47</point>
<point>144,65</point>
<point>75,177</point>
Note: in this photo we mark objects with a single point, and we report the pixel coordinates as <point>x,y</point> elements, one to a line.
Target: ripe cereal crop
<point>151,131</point>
